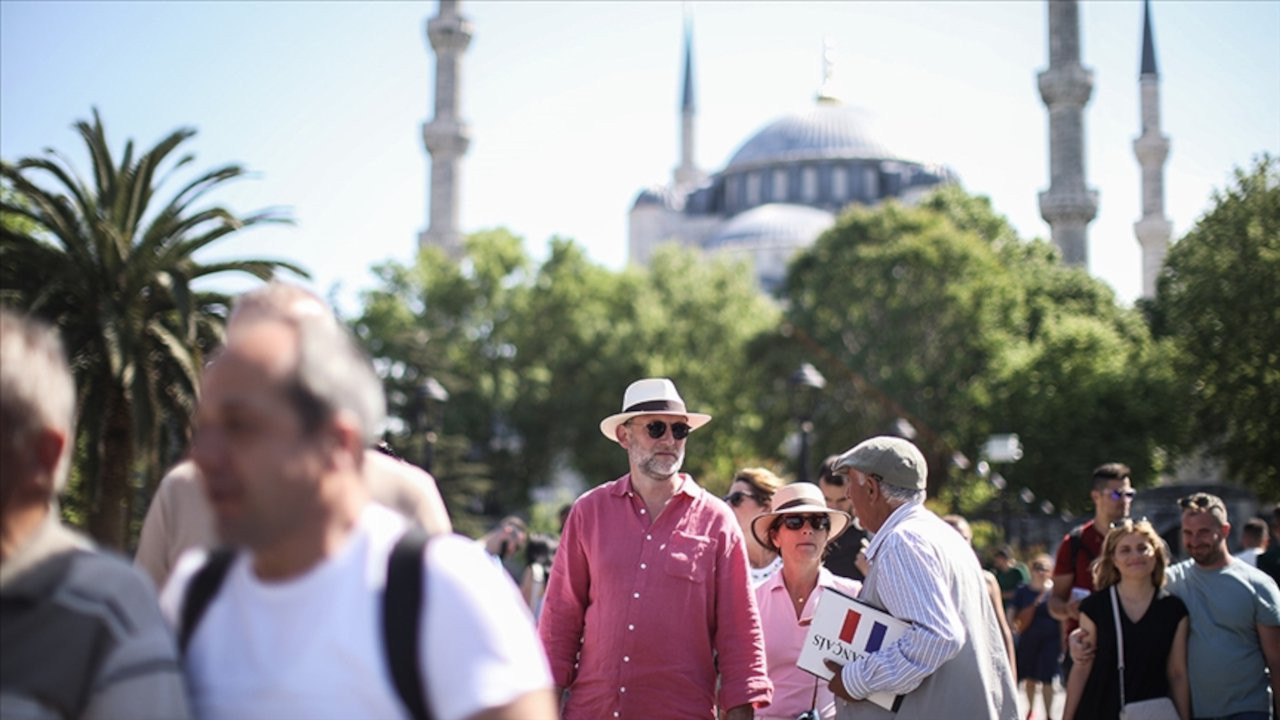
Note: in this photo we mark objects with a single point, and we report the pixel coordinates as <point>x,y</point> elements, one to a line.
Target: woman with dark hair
<point>750,494</point>
<point>799,529</point>
<point>1128,581</point>
<point>538,554</point>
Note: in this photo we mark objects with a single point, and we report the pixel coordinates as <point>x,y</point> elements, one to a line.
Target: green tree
<point>942,316</point>
<point>113,267</point>
<point>1219,303</point>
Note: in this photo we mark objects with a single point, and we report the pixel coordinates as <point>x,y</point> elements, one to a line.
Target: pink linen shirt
<point>784,638</point>
<point>638,614</point>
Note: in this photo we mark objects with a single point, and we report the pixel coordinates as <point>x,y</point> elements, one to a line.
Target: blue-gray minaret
<point>1152,149</point>
<point>687,173</point>
<point>446,136</point>
<point>1068,206</point>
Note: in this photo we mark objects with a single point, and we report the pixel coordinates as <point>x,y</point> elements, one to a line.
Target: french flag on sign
<point>850,628</point>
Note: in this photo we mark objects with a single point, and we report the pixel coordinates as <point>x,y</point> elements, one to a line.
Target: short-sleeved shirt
<point>311,646</point>
<point>784,634</point>
<point>81,635</point>
<point>1075,558</point>
<point>1012,577</point>
<point>1147,644</point>
<point>1224,652</point>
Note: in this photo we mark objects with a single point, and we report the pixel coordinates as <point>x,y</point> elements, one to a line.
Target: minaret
<point>687,174</point>
<point>826,91</point>
<point>446,137</point>
<point>1068,206</point>
<point>1151,148</point>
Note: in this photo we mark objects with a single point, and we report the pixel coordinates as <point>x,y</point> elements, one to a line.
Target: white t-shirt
<point>312,646</point>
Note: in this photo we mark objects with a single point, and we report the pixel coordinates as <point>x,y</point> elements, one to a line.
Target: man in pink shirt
<point>649,591</point>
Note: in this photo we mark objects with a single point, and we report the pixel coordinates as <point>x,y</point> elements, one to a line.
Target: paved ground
<point>1055,713</point>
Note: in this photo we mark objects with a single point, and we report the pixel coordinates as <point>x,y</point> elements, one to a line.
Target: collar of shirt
<point>623,486</point>
<point>899,515</point>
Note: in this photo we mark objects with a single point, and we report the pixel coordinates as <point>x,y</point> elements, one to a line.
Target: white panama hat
<point>651,396</point>
<point>798,498</point>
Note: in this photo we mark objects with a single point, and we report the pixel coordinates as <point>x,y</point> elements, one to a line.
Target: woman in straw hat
<point>799,528</point>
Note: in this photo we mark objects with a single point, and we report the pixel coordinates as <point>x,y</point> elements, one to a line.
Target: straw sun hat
<point>798,499</point>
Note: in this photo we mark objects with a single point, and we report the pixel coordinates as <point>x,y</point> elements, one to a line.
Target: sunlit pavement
<point>1059,700</point>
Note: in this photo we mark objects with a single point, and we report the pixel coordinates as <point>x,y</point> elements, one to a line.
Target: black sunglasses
<point>658,428</point>
<point>817,522</point>
<point>1117,494</point>
<point>1122,522</point>
<point>736,497</point>
<point>1200,502</point>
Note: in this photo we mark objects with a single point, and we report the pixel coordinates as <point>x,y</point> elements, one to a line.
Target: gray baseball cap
<point>895,460</point>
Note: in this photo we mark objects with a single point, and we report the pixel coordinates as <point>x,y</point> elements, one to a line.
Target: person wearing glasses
<point>952,661</point>
<point>1039,643</point>
<point>1112,496</point>
<point>750,494</point>
<point>649,598</point>
<point>846,555</point>
<point>1129,581</point>
<point>800,528</point>
<point>1235,619</point>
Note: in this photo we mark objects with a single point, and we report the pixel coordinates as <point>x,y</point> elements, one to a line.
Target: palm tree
<point>114,269</point>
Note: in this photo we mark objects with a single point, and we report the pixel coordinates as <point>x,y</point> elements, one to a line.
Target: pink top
<point>783,639</point>
<point>650,607</point>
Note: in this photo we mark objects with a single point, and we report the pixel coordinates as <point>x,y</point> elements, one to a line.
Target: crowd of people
<point>304,574</point>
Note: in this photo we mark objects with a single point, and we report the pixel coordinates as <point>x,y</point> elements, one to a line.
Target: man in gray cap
<point>952,657</point>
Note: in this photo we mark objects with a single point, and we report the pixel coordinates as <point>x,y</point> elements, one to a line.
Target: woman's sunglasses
<point>658,428</point>
<point>817,522</point>
<point>736,497</point>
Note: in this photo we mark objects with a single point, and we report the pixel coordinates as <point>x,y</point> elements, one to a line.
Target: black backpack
<point>402,612</point>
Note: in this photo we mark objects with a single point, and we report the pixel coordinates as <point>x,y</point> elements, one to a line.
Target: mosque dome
<point>825,132</point>
<point>768,235</point>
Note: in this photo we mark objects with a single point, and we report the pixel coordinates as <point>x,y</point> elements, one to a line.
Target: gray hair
<point>333,373</point>
<point>893,494</point>
<point>36,387</point>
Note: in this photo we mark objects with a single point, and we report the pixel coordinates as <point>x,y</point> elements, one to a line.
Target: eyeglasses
<point>658,428</point>
<point>1117,494</point>
<point>817,522</point>
<point>1125,522</point>
<point>736,497</point>
<point>1200,501</point>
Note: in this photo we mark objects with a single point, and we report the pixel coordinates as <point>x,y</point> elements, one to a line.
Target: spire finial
<point>686,100</point>
<point>1148,42</point>
<point>826,91</point>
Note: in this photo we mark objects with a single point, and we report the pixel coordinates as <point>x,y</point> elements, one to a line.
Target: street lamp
<point>805,383</point>
<point>1002,449</point>
<point>429,399</point>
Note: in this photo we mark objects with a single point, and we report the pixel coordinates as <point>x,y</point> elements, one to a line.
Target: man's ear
<point>623,438</point>
<point>1226,530</point>
<point>344,437</point>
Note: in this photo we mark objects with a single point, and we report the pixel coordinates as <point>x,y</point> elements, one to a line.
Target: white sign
<point>845,629</point>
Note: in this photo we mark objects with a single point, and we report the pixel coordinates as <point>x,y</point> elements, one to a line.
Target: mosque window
<point>779,185</point>
<point>753,188</point>
<point>809,183</point>
<point>731,193</point>
<point>871,183</point>
<point>839,183</point>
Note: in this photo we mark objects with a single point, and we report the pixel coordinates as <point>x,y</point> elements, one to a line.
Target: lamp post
<point>429,399</point>
<point>1002,449</point>
<point>805,383</point>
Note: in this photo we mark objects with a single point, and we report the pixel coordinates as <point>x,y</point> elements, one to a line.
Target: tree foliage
<point>1218,301</point>
<point>113,267</point>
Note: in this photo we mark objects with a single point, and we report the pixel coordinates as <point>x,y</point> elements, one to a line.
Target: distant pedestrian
<point>846,554</point>
<point>1039,639</point>
<point>1269,561</point>
<point>538,555</point>
<point>1253,541</point>
<point>1010,573</point>
<point>750,494</point>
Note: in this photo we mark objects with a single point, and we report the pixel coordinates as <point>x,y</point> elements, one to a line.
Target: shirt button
<point>631,627</point>
<point>643,511</point>
<point>643,566</point>
<point>615,713</point>
<point>626,658</point>
<point>635,595</point>
<point>648,537</point>
<point>622,689</point>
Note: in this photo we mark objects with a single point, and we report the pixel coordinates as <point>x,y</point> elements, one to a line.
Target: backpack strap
<point>403,610</point>
<point>200,592</point>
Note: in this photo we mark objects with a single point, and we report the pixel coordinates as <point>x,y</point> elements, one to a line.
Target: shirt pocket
<point>689,557</point>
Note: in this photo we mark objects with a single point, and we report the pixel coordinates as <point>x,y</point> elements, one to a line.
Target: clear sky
<point>573,106</point>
